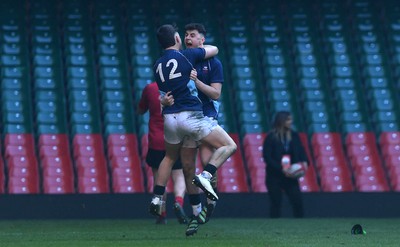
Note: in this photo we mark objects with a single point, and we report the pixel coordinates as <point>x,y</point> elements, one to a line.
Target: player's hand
<point>193,75</point>
<point>167,99</point>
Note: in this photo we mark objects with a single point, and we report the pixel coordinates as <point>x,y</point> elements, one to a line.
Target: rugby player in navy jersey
<point>185,118</point>
<point>209,82</point>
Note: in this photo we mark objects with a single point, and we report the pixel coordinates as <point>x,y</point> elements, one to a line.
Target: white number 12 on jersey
<point>172,74</point>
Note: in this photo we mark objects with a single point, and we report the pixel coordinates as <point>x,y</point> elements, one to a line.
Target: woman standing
<point>282,147</point>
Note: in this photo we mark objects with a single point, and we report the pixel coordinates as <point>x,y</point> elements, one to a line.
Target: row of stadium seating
<point>73,71</point>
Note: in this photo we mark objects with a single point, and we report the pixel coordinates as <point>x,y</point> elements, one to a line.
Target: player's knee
<point>232,148</point>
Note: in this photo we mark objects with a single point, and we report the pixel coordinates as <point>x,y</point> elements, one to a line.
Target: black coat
<point>273,151</point>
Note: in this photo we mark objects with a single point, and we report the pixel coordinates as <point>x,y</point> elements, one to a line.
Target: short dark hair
<point>166,35</point>
<point>196,26</point>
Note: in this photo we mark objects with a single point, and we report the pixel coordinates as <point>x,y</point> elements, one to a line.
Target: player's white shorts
<point>192,124</point>
<point>189,142</point>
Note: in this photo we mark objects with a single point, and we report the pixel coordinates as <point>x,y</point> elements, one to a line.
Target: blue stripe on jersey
<point>192,88</point>
<point>216,105</point>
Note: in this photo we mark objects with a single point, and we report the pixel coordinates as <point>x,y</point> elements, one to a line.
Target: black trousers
<point>276,185</point>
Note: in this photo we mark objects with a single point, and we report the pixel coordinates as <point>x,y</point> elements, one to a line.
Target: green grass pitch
<point>311,232</point>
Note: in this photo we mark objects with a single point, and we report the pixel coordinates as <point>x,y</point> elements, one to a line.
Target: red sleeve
<point>144,102</point>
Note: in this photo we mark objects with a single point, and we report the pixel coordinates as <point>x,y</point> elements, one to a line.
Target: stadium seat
<point>58,185</point>
<point>23,185</point>
<point>326,139</point>
<point>370,183</point>
<point>91,139</point>
<point>309,183</point>
<point>335,184</point>
<point>254,139</point>
<point>257,175</point>
<point>389,138</point>
<point>232,176</point>
<point>26,140</point>
<point>92,185</point>
<point>360,138</point>
<point>125,184</point>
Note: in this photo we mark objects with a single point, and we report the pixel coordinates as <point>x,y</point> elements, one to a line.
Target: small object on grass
<point>357,229</point>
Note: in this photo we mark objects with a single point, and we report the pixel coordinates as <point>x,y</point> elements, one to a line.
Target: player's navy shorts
<point>154,158</point>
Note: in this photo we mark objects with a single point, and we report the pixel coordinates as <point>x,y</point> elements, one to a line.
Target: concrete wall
<point>84,206</point>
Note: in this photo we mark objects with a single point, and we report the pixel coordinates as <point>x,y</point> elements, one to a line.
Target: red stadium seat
<point>92,185</point>
<point>97,172</point>
<point>365,160</point>
<point>88,139</point>
<point>328,150</point>
<point>23,185</point>
<point>330,138</point>
<point>122,140</point>
<point>12,150</point>
<point>389,138</point>
<point>25,140</point>
<point>309,183</point>
<point>53,140</point>
<point>257,177</point>
<point>368,183</point>
<point>51,151</point>
<point>234,161</point>
<point>254,139</point>
<point>369,170</point>
<point>360,138</point>
<point>253,150</point>
<point>88,161</point>
<point>57,161</point>
<point>125,161</point>
<point>258,185</point>
<point>51,171</point>
<point>135,174</point>
<point>390,150</point>
<point>24,172</point>
<point>335,184</point>
<point>361,150</point>
<point>304,141</point>
<point>331,161</point>
<point>256,161</point>
<point>232,185</point>
<point>58,185</point>
<point>127,184</point>
<point>392,161</point>
<point>122,151</point>
<point>229,172</point>
<point>88,151</point>
<point>394,178</point>
<point>335,171</point>
<point>22,161</point>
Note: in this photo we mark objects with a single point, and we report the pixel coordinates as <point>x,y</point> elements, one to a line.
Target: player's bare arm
<point>213,91</point>
<point>211,51</point>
